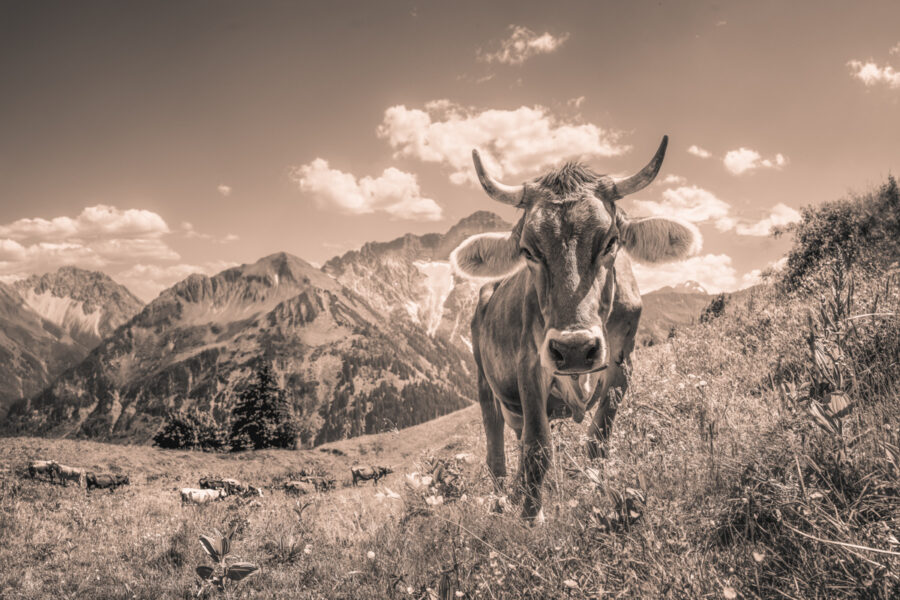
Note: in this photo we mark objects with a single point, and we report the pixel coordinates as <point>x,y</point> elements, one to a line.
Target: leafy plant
<point>191,430</point>
<point>263,417</point>
<point>226,568</point>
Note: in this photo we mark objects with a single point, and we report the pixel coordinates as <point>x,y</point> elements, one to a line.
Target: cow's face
<point>567,238</point>
<point>569,245</point>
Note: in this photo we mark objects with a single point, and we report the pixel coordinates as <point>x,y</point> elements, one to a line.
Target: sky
<point>151,140</point>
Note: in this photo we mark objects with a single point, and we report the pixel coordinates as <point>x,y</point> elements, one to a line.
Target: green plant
<point>263,417</point>
<point>190,430</point>
<point>226,568</point>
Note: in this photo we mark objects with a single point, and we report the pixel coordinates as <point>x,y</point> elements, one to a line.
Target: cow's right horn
<point>514,195</point>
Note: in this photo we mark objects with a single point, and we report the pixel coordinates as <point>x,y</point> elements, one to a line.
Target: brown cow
<point>554,330</point>
<point>46,468</point>
<point>65,474</point>
<point>231,487</point>
<point>108,481</point>
<point>369,473</point>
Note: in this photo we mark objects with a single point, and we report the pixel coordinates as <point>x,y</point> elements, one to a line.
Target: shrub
<point>713,309</point>
<point>191,430</point>
<point>263,417</point>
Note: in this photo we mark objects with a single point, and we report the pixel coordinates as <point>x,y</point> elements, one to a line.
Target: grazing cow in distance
<point>65,474</point>
<point>554,327</point>
<point>108,481</point>
<point>46,468</point>
<point>367,473</point>
<point>230,486</point>
<point>299,487</point>
<point>197,496</point>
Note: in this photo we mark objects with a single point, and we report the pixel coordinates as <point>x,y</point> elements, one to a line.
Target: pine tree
<point>262,417</point>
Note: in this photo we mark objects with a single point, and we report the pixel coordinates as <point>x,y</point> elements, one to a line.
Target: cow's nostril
<point>594,350</point>
<point>555,354</point>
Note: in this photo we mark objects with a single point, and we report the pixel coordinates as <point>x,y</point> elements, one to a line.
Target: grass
<point>721,483</point>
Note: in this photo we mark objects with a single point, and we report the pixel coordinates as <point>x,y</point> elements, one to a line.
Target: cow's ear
<point>659,239</point>
<point>487,256</point>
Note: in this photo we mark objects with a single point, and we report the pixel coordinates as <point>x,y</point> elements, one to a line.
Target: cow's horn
<point>507,194</point>
<point>643,178</point>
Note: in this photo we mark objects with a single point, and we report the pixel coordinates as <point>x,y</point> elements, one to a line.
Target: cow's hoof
<point>595,450</point>
<point>533,518</point>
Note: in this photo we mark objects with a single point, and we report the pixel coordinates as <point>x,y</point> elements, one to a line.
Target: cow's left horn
<point>513,195</point>
<point>643,178</point>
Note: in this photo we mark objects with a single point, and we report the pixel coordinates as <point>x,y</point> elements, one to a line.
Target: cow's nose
<point>576,352</point>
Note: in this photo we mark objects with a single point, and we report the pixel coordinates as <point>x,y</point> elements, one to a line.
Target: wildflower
<point>729,592</point>
<point>307,549</point>
<point>434,500</point>
<point>570,583</point>
<point>370,555</point>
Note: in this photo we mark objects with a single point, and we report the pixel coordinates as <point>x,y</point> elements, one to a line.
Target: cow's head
<point>568,238</point>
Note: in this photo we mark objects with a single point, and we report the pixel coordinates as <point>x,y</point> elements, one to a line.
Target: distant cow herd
<point>63,474</point>
<point>211,488</point>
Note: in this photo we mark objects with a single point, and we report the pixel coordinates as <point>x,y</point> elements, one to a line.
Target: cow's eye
<point>611,245</point>
<point>528,255</point>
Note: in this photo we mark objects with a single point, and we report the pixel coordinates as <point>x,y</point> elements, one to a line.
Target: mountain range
<point>51,322</point>
<point>376,339</point>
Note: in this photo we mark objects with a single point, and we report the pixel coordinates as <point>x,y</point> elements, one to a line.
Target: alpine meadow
<point>483,301</point>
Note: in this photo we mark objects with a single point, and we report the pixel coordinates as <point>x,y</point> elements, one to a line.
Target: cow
<point>46,468</point>
<point>367,473</point>
<point>554,326</point>
<point>322,484</point>
<point>197,496</point>
<point>299,487</point>
<point>66,474</point>
<point>230,486</point>
<point>108,481</point>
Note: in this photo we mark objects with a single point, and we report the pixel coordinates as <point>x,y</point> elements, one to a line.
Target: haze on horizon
<point>153,140</point>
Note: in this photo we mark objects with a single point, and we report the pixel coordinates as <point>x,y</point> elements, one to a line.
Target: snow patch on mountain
<point>438,285</point>
<point>64,312</point>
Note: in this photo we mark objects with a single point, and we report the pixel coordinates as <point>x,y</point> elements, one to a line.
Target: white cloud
<point>223,189</point>
<point>512,142</point>
<point>871,74</point>
<point>690,203</point>
<point>713,271</point>
<point>698,151</point>
<point>780,215</point>
<point>11,250</point>
<point>191,232</point>
<point>146,281</point>
<point>576,102</point>
<point>522,44</point>
<point>393,192</point>
<point>895,49</point>
<point>99,236</point>
<point>755,276</point>
<point>94,221</point>
<point>743,160</point>
<point>672,179</point>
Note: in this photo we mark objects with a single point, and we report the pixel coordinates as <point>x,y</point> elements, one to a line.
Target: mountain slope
<point>87,305</point>
<point>347,369</point>
<point>410,277</point>
<point>50,322</point>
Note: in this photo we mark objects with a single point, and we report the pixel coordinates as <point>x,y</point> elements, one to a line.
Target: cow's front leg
<point>536,450</point>
<point>601,426</point>
<point>493,431</point>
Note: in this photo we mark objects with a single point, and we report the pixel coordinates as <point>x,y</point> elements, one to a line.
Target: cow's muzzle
<point>576,352</point>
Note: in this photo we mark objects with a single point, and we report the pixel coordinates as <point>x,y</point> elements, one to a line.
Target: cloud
<point>690,203</point>
<point>393,192</point>
<point>744,160</point>
<point>146,281</point>
<point>895,49</point>
<point>521,45</point>
<point>780,215</point>
<point>700,206</point>
<point>512,142</point>
<point>756,275</point>
<point>225,190</point>
<point>672,179</point>
<point>713,271</point>
<point>698,151</point>
<point>191,232</point>
<point>93,222</point>
<point>99,236</point>
<point>871,74</point>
